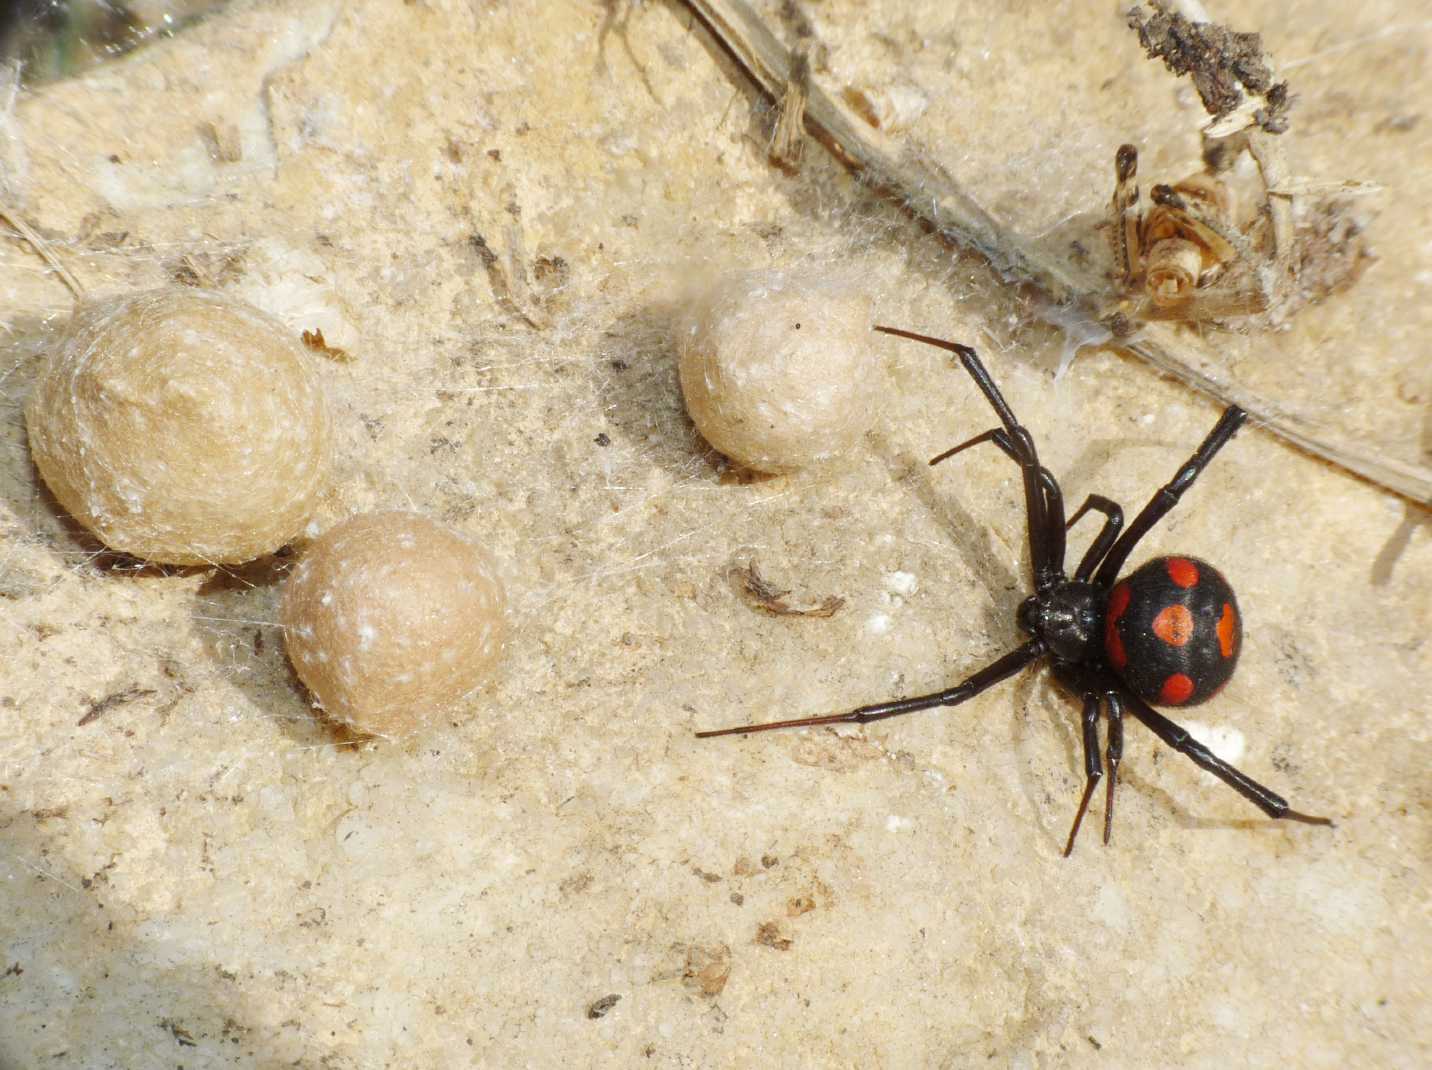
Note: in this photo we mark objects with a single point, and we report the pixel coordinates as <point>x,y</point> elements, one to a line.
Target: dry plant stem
<point>42,248</point>
<point>935,197</point>
<point>789,136</point>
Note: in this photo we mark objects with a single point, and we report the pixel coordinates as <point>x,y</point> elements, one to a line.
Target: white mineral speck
<point>901,583</point>
<point>1111,908</point>
<point>878,623</point>
<point>1228,1018</point>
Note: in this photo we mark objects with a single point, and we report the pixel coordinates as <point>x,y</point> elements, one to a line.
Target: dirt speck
<point>598,1008</point>
<point>770,934</point>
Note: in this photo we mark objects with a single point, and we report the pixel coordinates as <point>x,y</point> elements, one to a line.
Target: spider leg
<point>1115,706</point>
<point>1044,511</point>
<point>1113,522</point>
<point>1053,497</point>
<point>983,680</point>
<point>995,434</point>
<point>1056,530</point>
<point>1168,495</point>
<point>972,364</point>
<point>1124,215</point>
<point>1093,771</point>
<point>1177,737</point>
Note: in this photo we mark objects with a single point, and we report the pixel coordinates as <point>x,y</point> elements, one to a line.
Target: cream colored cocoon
<point>391,618</point>
<point>182,427</point>
<point>777,367</point>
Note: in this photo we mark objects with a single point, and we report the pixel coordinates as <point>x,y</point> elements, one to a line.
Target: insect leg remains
<point>1124,212</point>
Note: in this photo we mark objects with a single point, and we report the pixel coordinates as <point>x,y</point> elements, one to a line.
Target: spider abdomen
<point>1172,631</point>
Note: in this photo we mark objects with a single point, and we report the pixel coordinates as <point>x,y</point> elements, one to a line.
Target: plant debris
<point>768,934</point>
<point>761,594</point>
<point>315,341</point>
<point>707,969</point>
<point>179,1033</point>
<point>703,971</point>
<point>119,698</point>
<point>599,1008</point>
<point>1222,64</point>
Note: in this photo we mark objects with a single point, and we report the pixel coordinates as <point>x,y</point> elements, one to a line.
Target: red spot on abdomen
<point>1176,690</point>
<point>1182,571</point>
<point>1228,631</point>
<point>1174,625</point>
<point>1113,644</point>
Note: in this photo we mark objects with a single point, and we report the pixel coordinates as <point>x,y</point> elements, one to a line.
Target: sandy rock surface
<point>492,211</point>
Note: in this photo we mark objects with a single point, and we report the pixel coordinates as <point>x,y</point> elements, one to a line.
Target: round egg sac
<point>391,618</point>
<point>182,427</point>
<point>777,367</point>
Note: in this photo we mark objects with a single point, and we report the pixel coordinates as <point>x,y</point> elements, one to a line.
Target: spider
<point>1168,633</point>
<point>1188,257</point>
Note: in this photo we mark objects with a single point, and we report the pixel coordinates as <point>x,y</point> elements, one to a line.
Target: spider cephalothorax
<point>1168,633</point>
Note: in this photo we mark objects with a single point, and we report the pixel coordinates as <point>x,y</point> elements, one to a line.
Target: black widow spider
<point>1167,633</point>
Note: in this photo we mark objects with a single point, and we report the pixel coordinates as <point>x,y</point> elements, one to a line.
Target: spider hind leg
<point>1177,737</point>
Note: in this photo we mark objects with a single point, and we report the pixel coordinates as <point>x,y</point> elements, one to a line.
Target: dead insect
<point>1192,254</point>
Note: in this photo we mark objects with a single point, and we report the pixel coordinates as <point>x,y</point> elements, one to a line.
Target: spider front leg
<point>1169,494</point>
<point>1044,506</point>
<point>1053,496</point>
